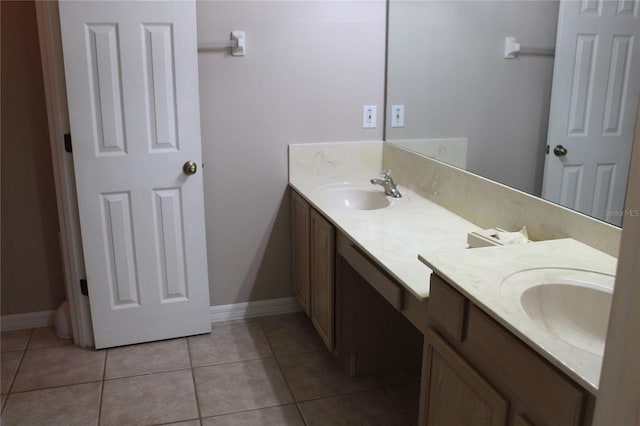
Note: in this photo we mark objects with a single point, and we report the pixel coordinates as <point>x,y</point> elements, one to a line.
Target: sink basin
<point>355,197</point>
<point>569,304</point>
<point>576,314</point>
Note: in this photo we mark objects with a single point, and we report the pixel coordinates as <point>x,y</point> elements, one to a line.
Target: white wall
<point>446,65</point>
<point>310,66</point>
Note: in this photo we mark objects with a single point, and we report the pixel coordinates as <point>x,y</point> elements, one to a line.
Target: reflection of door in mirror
<point>591,121</point>
<point>447,71</point>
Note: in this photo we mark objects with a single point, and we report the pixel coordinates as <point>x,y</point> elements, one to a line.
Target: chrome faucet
<point>388,184</point>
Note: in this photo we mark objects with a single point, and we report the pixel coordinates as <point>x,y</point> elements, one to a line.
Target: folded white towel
<point>520,237</point>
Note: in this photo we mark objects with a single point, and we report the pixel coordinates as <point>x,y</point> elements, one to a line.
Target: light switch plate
<point>397,115</point>
<point>369,117</point>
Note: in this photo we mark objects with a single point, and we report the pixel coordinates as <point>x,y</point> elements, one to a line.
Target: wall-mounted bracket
<point>237,43</point>
<point>512,49</point>
<point>240,49</point>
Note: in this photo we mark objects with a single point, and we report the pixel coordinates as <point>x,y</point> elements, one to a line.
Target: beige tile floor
<point>268,371</point>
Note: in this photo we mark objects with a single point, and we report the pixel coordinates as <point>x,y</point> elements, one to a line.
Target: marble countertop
<point>394,236</point>
<point>478,274</point>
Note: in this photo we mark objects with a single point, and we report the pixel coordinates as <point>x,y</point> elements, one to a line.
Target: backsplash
<point>489,204</point>
<point>448,150</point>
<point>335,160</point>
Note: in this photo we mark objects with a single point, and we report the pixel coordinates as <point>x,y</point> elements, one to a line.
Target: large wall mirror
<point>555,119</point>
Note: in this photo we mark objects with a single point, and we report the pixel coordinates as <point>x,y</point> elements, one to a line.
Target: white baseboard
<point>237,311</point>
<point>28,320</point>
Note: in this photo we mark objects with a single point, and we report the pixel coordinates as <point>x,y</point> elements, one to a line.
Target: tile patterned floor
<point>267,371</point>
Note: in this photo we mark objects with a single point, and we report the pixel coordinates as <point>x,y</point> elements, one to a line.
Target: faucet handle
<point>386,173</point>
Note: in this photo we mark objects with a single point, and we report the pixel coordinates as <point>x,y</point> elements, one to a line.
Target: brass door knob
<point>560,151</point>
<point>190,168</point>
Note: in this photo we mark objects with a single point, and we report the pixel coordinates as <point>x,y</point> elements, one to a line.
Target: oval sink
<point>577,314</point>
<point>355,197</point>
<point>570,304</point>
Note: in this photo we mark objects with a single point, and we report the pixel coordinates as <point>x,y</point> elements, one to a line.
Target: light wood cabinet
<point>322,277</point>
<point>312,242</point>
<point>373,334</point>
<point>358,310</point>
<point>300,248</point>
<point>467,349</point>
<point>458,395</point>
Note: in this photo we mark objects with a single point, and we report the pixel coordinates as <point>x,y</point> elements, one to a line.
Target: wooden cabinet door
<point>454,393</point>
<point>322,277</point>
<point>300,246</point>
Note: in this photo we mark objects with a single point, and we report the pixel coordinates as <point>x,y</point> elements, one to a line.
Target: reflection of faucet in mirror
<point>448,79</point>
<point>388,184</point>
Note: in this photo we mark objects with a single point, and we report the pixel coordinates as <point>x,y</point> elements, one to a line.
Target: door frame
<point>49,35</point>
<point>619,392</point>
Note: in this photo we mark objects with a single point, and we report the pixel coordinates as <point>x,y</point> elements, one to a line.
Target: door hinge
<point>84,290</point>
<point>67,142</point>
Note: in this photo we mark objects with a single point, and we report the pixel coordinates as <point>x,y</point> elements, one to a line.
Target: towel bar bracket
<point>237,43</point>
<point>512,48</point>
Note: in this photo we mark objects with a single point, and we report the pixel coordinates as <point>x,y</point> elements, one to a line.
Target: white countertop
<point>478,274</point>
<point>394,236</point>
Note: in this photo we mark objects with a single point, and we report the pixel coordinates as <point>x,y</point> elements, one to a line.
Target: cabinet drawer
<point>447,307</point>
<point>377,278</point>
<point>508,363</point>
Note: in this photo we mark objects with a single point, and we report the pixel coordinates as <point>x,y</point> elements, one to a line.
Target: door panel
<point>300,253</point>
<point>455,393</point>
<point>122,274</point>
<point>132,83</point>
<point>593,106</point>
<point>322,277</point>
<point>170,251</point>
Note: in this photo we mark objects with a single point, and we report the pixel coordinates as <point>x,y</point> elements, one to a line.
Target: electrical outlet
<point>369,117</point>
<point>397,115</point>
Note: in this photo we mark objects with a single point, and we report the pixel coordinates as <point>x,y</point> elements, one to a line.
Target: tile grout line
<point>339,395</point>
<point>234,362</point>
<point>404,416</point>
<point>102,382</point>
<point>313,351</point>
<point>293,398</point>
<point>193,380</point>
<point>246,410</point>
<point>262,326</point>
<point>38,349</point>
<point>378,382</point>
<point>170,370</point>
<point>55,387</point>
<point>15,376</point>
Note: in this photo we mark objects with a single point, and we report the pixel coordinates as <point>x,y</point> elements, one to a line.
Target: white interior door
<point>596,86</point>
<point>132,85</point>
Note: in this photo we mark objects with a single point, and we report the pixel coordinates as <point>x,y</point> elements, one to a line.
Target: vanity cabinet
<point>300,249</point>
<point>377,322</point>
<point>458,394</point>
<point>360,312</point>
<point>477,372</point>
<point>312,241</point>
<point>322,279</point>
